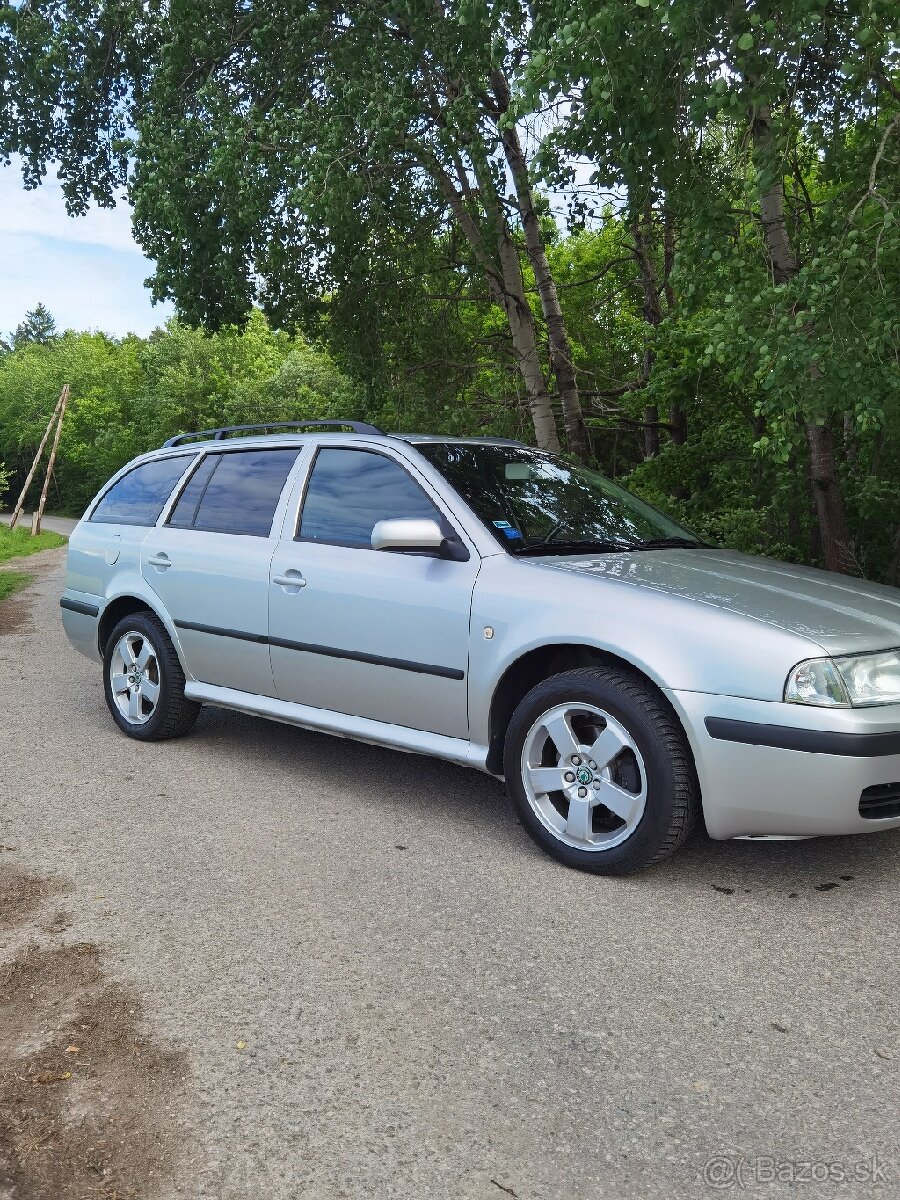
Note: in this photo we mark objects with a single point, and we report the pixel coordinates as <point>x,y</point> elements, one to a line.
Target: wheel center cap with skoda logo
<point>584,776</point>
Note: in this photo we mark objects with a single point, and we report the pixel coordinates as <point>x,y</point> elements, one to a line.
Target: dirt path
<point>85,1097</point>
<point>15,610</point>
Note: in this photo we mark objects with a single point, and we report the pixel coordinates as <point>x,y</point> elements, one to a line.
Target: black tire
<point>174,715</point>
<point>672,791</point>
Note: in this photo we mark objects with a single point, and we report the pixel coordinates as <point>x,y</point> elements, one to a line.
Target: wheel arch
<point>539,664</point>
<point>127,603</point>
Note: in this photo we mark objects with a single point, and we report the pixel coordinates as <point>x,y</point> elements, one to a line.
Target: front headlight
<point>871,678</point>
<point>855,680</point>
<point>817,681</point>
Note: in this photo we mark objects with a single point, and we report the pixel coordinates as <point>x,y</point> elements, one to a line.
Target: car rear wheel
<point>600,771</point>
<point>144,681</point>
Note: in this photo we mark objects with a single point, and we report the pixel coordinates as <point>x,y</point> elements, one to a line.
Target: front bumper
<point>769,769</point>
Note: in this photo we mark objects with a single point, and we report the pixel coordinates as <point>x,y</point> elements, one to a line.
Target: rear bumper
<point>770,769</point>
<point>80,618</point>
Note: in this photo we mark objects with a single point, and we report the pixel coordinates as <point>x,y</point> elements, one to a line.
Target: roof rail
<point>218,434</point>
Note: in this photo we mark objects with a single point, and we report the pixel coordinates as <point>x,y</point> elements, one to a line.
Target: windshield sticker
<point>502,525</point>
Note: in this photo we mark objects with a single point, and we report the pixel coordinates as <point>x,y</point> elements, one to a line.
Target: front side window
<point>140,496</point>
<point>349,491</point>
<point>535,503</point>
<point>235,492</point>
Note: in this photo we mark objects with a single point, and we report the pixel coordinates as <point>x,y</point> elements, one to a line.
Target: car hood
<point>841,614</point>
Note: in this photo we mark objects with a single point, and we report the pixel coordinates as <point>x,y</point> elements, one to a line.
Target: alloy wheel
<point>134,677</point>
<point>584,776</point>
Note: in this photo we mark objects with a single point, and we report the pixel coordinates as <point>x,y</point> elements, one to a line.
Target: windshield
<point>534,503</point>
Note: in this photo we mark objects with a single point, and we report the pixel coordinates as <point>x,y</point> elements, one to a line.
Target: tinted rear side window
<point>243,493</point>
<point>185,510</point>
<point>138,497</point>
<point>349,491</point>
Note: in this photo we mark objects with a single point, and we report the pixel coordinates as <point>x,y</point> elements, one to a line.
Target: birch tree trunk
<point>525,344</point>
<point>824,480</point>
<point>498,256</point>
<point>561,361</point>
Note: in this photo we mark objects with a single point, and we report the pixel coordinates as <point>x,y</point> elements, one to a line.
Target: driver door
<point>377,634</point>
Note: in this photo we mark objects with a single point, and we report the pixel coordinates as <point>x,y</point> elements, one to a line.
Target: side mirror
<point>407,534</point>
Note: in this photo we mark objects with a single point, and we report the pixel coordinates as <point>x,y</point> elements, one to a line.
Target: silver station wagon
<point>490,604</point>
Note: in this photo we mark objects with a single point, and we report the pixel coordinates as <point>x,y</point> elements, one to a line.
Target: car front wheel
<point>600,771</point>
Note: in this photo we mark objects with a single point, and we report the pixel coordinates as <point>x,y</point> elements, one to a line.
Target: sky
<point>87,270</point>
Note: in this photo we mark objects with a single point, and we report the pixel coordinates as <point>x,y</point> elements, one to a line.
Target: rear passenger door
<point>119,522</point>
<point>209,564</point>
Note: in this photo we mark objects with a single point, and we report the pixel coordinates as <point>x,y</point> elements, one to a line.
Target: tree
<point>266,163</point>
<point>38,328</point>
<point>731,117</point>
<point>720,313</point>
<point>128,395</point>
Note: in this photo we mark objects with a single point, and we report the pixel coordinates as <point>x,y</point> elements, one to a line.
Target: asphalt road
<point>382,989</point>
<point>63,525</point>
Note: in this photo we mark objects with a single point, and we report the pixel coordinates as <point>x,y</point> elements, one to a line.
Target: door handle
<point>161,561</point>
<point>292,581</point>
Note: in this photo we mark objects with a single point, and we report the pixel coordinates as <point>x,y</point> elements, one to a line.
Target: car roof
<point>268,440</point>
<point>443,438</point>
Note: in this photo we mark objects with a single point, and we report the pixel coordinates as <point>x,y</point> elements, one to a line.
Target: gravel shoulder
<point>358,978</point>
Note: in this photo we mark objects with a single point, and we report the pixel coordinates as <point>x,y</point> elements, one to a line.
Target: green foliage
<point>129,395</point>
<point>18,542</point>
<point>69,73</point>
<point>729,275</point>
<point>769,134</point>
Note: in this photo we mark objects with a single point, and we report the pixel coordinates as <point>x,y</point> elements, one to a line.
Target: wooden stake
<point>20,504</point>
<point>36,519</point>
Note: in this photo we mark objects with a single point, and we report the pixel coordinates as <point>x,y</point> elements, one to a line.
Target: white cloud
<point>43,212</point>
<point>87,270</point>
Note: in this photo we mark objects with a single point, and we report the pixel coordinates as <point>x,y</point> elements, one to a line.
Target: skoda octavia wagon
<point>490,604</point>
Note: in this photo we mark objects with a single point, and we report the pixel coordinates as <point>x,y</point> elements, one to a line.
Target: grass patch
<point>12,581</point>
<point>16,543</point>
